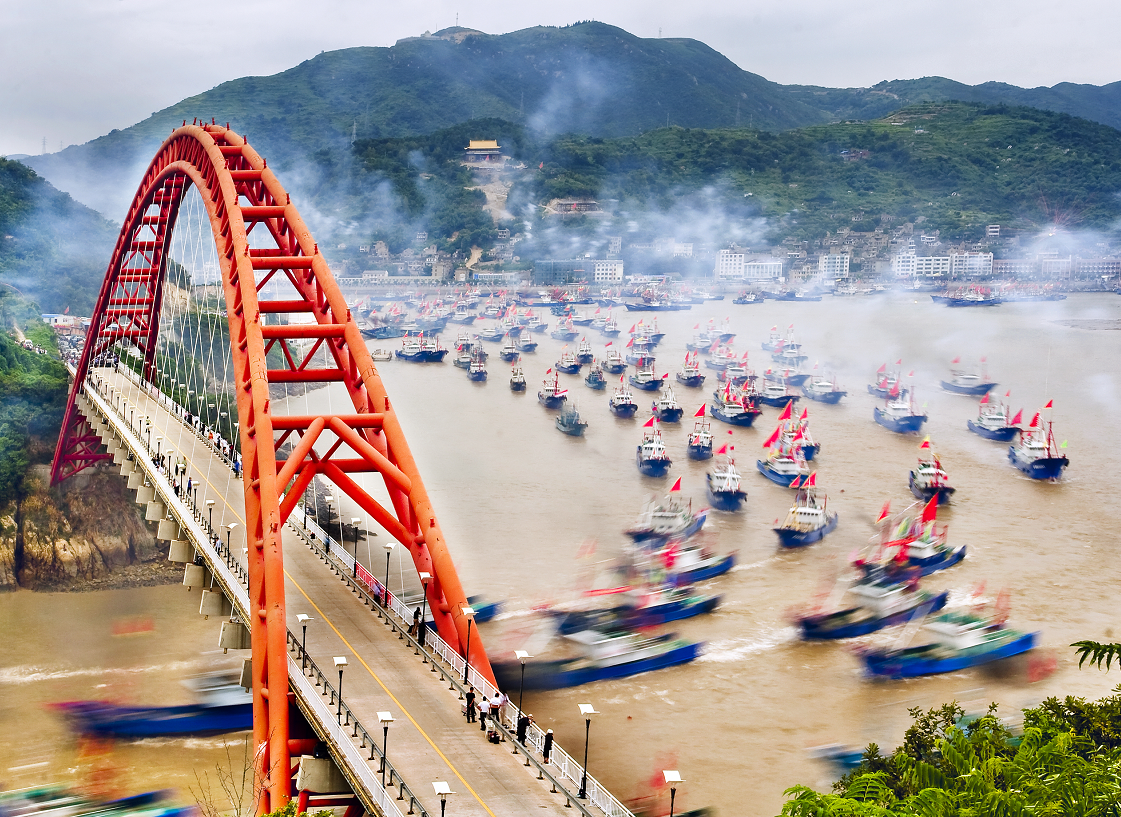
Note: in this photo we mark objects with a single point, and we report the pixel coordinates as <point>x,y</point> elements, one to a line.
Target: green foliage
<point>1096,653</point>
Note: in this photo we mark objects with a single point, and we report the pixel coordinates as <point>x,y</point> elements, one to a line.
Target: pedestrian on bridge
<point>470,705</point>
<point>547,747</point>
<point>484,710</point>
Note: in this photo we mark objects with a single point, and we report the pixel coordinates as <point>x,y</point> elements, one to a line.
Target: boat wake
<point>737,649</point>
<point>191,744</point>
<point>754,565</point>
<point>33,674</point>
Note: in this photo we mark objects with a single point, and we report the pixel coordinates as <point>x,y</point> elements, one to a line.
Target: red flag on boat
<point>1008,393</point>
<point>550,371</point>
<point>956,360</point>
<point>774,436</point>
<point>562,392</point>
<point>630,343</point>
<point>925,444</point>
<point>700,411</point>
<point>911,373</point>
<point>985,399</point>
<point>676,486</point>
<point>1034,421</point>
<point>812,481</point>
<point>805,413</point>
<point>648,423</point>
<point>785,412</point>
<point>930,512</point>
<point>894,391</point>
<point>723,449</point>
<point>698,326</point>
<point>884,511</point>
<point>899,362</point>
<point>608,343</point>
<point>1049,402</point>
<point>796,483</point>
<point>665,376</point>
<point>633,325</point>
<point>882,369</point>
<point>1019,418</point>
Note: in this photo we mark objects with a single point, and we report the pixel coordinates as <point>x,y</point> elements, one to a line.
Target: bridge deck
<point>429,739</point>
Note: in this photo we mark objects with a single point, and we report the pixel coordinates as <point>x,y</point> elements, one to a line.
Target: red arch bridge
<point>216,332</point>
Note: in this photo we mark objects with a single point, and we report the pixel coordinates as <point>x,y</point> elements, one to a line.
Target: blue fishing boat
<point>963,382</point>
<point>526,344</point>
<point>960,640</point>
<point>690,373</point>
<point>666,408</point>
<point>699,441</point>
<point>1036,453</point>
<point>411,350</point>
<point>462,316</point>
<point>568,364</point>
<point>644,377</point>
<point>745,298</point>
<point>809,518</point>
<point>899,414</point>
<point>613,362</point>
<point>569,422</point>
<point>912,542</point>
<point>823,391</point>
<point>517,379</point>
<point>622,403</point>
<point>651,456</point>
<point>734,408</point>
<point>796,295</point>
<point>551,395</point>
<point>929,479</point>
<point>584,351</point>
<point>610,327</point>
<point>658,522</point>
<point>565,331</point>
<point>723,483</point>
<point>773,340</point>
<point>635,608</point>
<point>885,381</point>
<point>992,421</point>
<point>510,351</point>
<point>777,395</point>
<point>640,355</point>
<point>877,601</point>
<point>787,377</point>
<point>493,334</point>
<point>595,378</point>
<point>605,656</point>
<point>691,562</point>
<point>462,359</point>
<point>477,371</point>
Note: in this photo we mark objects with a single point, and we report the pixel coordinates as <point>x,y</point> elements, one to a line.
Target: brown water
<point>518,502</point>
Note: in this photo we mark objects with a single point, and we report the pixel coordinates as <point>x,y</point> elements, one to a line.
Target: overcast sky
<point>71,70</point>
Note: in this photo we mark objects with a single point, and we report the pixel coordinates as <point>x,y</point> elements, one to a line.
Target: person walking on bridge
<point>470,704</point>
<point>484,710</point>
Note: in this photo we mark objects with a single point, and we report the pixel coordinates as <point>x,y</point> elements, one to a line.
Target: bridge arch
<point>282,453</point>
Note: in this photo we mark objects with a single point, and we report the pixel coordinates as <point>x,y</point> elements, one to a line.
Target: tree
<point>1096,653</point>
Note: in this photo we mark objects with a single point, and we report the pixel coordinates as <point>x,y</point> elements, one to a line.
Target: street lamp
<point>229,529</point>
<point>587,710</point>
<point>385,596</point>
<point>521,655</point>
<point>158,442</point>
<point>210,509</point>
<point>672,778</point>
<point>385,719</point>
<point>340,664</point>
<point>329,498</point>
<point>469,614</point>
<point>425,577</point>
<point>443,790</point>
<point>304,618</point>
<point>354,520</point>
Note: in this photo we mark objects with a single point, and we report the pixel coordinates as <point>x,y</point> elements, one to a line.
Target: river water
<point>531,514</point>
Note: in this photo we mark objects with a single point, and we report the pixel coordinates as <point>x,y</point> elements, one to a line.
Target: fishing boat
<point>899,414</point>
<point>745,298</point>
<point>381,354</point>
<point>610,327</point>
<point>773,340</point>
<point>823,391</point>
<point>810,447</point>
<point>222,706</point>
<point>992,421</point>
<point>723,482</point>
<point>565,331</point>
<point>584,351</point>
<point>690,373</point>
<point>604,655</point>
<point>964,382</point>
<point>622,403</point>
<point>670,518</point>
<point>517,379</point>
<point>510,351</point>
<point>1036,453</point>
<point>971,296</point>
<point>651,456</point>
<point>874,602</point>
<point>410,350</point>
<point>720,357</point>
<point>526,343</point>
<point>551,395</point>
<point>959,640</point>
<point>569,421</point>
<point>613,362</point>
<point>595,378</point>
<point>666,408</point>
<point>734,408</point>
<point>735,373</point>
<point>640,354</point>
<point>581,320</point>
<point>431,349</point>
<point>809,518</point>
<point>644,377</point>
<point>462,316</point>
<point>789,355</point>
<point>784,465</point>
<point>910,542</point>
<point>694,561</point>
<point>777,395</point>
<point>699,441</point>
<point>492,334</point>
<point>534,323</point>
<point>797,295</point>
<point>568,364</point>
<point>885,381</point>
<point>477,371</point>
<point>639,607</point>
<point>788,377</point>
<point>928,479</point>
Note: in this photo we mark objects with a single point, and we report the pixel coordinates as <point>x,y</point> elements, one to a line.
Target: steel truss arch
<point>240,193</point>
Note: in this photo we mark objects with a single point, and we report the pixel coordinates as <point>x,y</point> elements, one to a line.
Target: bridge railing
<point>374,591</point>
<point>560,766</point>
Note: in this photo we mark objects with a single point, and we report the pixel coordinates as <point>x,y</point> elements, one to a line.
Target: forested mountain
<point>590,79</point>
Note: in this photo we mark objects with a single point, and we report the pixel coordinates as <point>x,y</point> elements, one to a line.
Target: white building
<point>832,266</point>
<point>964,265</point>
<point>729,266</point>
<point>972,264</point>
<point>738,266</point>
<point>607,272</point>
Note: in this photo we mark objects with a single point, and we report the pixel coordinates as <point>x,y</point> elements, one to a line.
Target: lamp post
<point>442,790</point>
<point>385,595</point>
<point>469,614</point>
<point>385,719</point>
<point>159,441</point>
<point>210,510</point>
<point>147,423</point>
<point>521,655</point>
<point>330,498</point>
<point>340,664</point>
<point>424,579</point>
<point>587,710</point>
<point>672,778</point>
<point>304,618</point>
<point>354,520</point>
<point>229,530</point>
